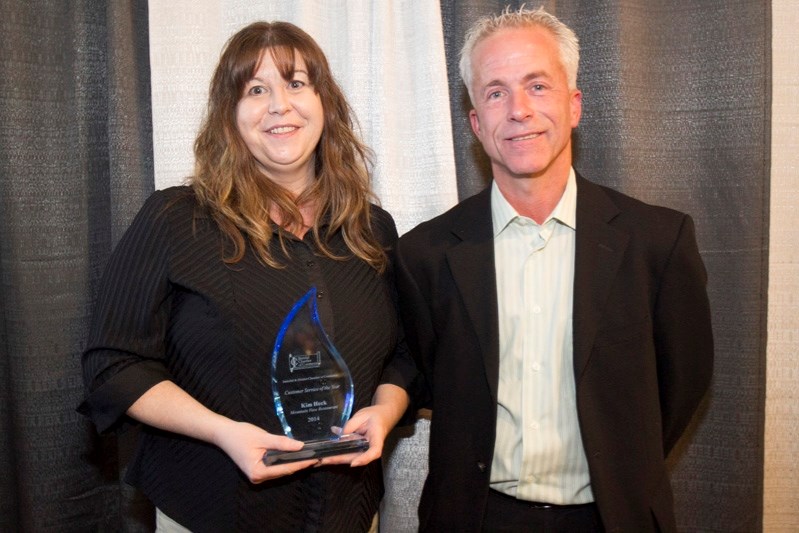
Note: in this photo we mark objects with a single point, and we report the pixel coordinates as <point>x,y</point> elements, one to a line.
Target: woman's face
<point>281,122</point>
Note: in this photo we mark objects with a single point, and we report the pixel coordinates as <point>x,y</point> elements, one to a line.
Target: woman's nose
<point>279,103</point>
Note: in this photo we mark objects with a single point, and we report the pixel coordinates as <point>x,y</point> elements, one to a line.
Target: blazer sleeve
<point>399,369</point>
<point>417,323</point>
<point>125,348</point>
<point>683,335</point>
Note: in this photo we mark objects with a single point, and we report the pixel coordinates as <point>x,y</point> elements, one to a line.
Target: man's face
<point>524,111</point>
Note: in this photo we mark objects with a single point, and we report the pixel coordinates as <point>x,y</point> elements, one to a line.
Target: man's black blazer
<point>643,351</point>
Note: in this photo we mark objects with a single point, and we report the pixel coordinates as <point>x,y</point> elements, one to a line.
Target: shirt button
<point>536,367</point>
<point>310,263</point>
<point>319,295</point>
<point>481,466</point>
<point>533,425</point>
<point>536,309</point>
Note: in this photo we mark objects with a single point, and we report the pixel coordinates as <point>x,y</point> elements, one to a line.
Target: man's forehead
<point>516,65</point>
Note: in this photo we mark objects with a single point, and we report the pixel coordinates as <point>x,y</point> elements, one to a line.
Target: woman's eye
<point>296,84</point>
<point>257,90</point>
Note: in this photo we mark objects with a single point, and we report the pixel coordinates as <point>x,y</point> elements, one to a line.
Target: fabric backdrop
<point>75,166</point>
<point>100,102</point>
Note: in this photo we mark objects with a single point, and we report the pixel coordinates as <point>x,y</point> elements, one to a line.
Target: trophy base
<point>316,449</point>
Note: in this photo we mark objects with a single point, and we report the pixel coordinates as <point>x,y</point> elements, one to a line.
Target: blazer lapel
<point>472,265</point>
<point>599,248</point>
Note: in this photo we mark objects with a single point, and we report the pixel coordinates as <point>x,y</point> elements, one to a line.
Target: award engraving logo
<point>304,361</point>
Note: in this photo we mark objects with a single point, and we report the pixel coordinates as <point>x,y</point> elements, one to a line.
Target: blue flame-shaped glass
<point>311,384</point>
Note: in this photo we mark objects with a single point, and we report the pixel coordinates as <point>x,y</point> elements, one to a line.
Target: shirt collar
<point>502,213</point>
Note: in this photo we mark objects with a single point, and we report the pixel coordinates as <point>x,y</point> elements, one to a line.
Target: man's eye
<point>538,87</point>
<point>494,94</point>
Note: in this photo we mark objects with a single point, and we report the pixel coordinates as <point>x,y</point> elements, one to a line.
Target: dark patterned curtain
<point>75,164</point>
<point>676,112</point>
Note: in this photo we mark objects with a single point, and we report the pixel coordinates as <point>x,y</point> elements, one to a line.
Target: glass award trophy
<point>312,388</point>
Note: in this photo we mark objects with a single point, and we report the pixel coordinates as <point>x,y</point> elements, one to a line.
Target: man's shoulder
<point>468,211</point>
<point>629,206</point>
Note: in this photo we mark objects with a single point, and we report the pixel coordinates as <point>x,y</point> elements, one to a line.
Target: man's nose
<point>520,106</point>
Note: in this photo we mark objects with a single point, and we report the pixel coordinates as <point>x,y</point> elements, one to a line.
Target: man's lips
<point>525,137</point>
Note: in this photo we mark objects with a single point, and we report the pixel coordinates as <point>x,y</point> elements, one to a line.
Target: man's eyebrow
<point>536,75</point>
<point>529,77</point>
<point>493,83</point>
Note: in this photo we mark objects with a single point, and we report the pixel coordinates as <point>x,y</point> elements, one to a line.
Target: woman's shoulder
<point>167,211</point>
<point>181,196</point>
<point>383,224</point>
<point>379,214</point>
<point>171,205</point>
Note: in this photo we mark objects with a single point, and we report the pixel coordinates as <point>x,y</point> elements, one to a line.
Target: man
<point>562,327</point>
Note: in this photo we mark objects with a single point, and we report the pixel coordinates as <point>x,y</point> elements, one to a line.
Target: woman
<point>197,289</point>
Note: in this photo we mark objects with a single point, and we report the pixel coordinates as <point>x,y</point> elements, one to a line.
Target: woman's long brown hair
<point>240,197</point>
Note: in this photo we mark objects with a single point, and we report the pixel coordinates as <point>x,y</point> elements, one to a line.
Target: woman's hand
<point>246,444</point>
<point>374,423</point>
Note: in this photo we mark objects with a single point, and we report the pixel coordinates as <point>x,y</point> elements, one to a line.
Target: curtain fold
<point>75,162</point>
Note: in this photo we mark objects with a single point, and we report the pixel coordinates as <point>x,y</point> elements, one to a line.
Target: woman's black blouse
<point>169,308</point>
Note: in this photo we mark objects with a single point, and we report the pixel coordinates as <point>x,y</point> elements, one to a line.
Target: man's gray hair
<point>485,27</point>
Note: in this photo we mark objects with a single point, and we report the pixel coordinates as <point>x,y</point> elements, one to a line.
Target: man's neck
<point>534,197</point>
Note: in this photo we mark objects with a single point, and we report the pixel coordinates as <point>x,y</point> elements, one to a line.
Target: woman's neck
<point>308,214</point>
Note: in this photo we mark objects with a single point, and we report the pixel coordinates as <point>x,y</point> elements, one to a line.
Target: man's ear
<point>475,122</point>
<point>576,105</point>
